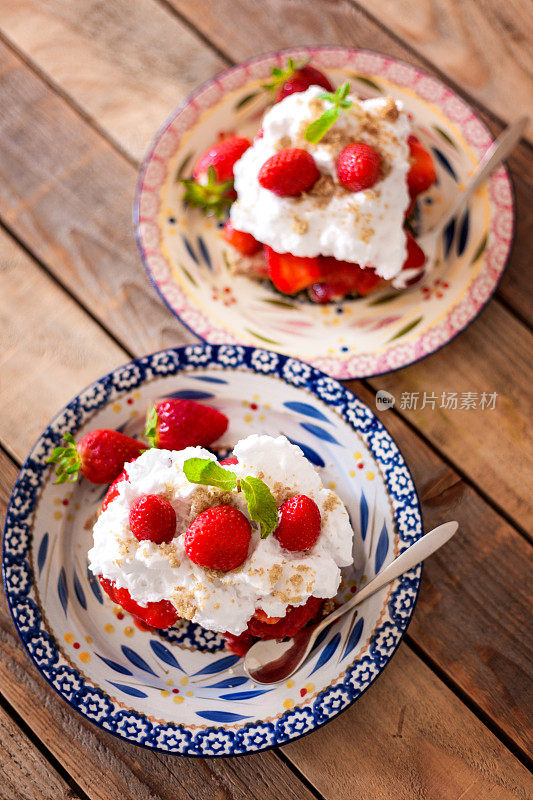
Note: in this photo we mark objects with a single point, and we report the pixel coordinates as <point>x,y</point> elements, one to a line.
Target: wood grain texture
<point>50,349</point>
<point>26,775</point>
<point>407,738</point>
<point>52,161</point>
<point>241,29</point>
<point>126,64</point>
<point>67,194</point>
<point>427,744</point>
<point>486,48</point>
<point>471,616</point>
<point>494,448</point>
<point>107,768</point>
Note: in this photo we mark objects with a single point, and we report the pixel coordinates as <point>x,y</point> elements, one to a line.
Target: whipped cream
<point>271,578</point>
<point>361,227</point>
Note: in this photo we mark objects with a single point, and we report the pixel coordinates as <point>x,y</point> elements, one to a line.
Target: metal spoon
<point>497,152</point>
<point>274,660</point>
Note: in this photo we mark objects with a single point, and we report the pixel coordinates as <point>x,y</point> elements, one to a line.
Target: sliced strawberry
<point>229,461</point>
<point>113,490</point>
<point>160,614</point>
<point>295,618</point>
<point>174,424</point>
<point>260,615</point>
<point>241,241</point>
<point>421,173</point>
<point>339,278</point>
<point>291,274</point>
<point>416,257</point>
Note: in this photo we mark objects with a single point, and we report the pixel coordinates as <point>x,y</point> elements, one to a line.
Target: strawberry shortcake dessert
<point>251,546</point>
<point>320,199</point>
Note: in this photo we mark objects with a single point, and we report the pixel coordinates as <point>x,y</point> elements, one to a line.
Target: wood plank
<point>50,349</point>
<point>127,65</point>
<point>67,193</point>
<point>52,161</point>
<point>427,740</point>
<point>26,775</point>
<point>486,47</point>
<point>408,738</point>
<point>241,30</point>
<point>477,589</point>
<point>493,447</point>
<point>471,616</point>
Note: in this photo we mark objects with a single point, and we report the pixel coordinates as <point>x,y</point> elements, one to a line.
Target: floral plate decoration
<point>180,690</point>
<point>186,257</point>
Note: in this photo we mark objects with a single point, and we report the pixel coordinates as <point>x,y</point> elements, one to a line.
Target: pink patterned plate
<point>186,257</point>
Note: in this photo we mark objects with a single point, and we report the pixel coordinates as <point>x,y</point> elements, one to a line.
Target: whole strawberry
<point>211,188</point>
<point>289,172</point>
<point>152,519</point>
<point>358,166</point>
<point>222,156</point>
<point>218,538</point>
<point>296,78</point>
<point>100,455</point>
<point>299,523</point>
<point>174,424</point>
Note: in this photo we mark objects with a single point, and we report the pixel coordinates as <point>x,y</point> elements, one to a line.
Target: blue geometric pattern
<point>218,740</point>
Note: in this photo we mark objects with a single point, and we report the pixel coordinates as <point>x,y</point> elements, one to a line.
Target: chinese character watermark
<point>450,401</point>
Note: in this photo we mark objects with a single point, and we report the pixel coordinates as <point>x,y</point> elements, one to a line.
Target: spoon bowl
<point>274,660</point>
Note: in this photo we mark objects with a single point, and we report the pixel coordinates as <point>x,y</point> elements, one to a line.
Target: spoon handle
<point>418,551</point>
<point>497,152</point>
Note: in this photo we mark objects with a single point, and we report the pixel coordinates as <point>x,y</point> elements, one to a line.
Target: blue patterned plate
<point>180,691</point>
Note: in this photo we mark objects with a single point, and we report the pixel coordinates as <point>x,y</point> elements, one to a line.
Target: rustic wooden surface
<point>83,86</point>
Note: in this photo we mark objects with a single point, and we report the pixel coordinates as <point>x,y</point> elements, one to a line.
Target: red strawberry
<point>241,241</point>
<point>222,157</point>
<point>296,78</point>
<point>229,460</point>
<point>295,619</point>
<point>153,519</point>
<point>339,278</point>
<point>239,645</point>
<point>174,424</point>
<point>301,80</point>
<point>112,492</point>
<point>299,523</point>
<point>421,173</point>
<point>218,538</point>
<point>160,614</point>
<point>289,172</point>
<point>291,274</point>
<point>358,166</point>
<point>100,455</point>
<point>416,257</point>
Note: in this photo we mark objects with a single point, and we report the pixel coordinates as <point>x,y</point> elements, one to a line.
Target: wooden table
<point>83,86</point>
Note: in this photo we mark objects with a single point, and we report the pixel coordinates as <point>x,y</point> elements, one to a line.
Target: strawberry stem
<point>279,76</point>
<point>68,460</point>
<point>150,429</point>
<point>211,197</point>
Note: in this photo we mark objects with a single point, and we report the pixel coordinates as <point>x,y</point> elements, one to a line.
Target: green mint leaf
<point>319,127</point>
<point>209,473</point>
<point>261,504</point>
<point>343,91</point>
